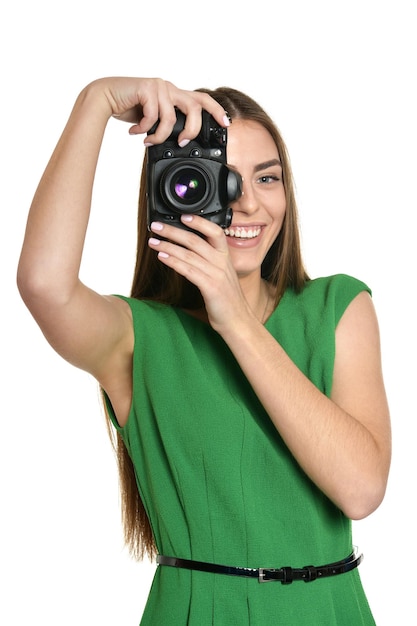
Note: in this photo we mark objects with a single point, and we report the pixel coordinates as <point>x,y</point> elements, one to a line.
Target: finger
<point>191,103</point>
<point>213,235</point>
<point>158,106</point>
<point>179,236</point>
<point>214,238</point>
<point>193,108</point>
<point>212,232</point>
<point>185,261</point>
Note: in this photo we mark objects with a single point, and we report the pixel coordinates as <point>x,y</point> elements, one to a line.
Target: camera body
<point>194,179</point>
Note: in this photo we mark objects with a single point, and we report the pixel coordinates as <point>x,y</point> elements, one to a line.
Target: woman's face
<point>259,213</point>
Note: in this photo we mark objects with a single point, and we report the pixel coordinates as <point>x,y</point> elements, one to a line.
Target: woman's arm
<point>71,316</point>
<point>91,331</point>
<point>343,443</point>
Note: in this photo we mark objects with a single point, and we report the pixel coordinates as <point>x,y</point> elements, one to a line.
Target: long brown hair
<point>283,267</point>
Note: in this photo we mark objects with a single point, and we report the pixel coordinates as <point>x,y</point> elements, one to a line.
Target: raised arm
<point>91,331</point>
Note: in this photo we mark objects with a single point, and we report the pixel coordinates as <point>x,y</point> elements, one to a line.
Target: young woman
<point>247,399</point>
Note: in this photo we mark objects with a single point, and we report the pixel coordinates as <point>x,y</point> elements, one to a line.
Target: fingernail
<point>163,255</point>
<point>147,144</point>
<point>183,143</point>
<point>156,226</point>
<point>227,120</point>
<point>187,218</point>
<point>154,241</point>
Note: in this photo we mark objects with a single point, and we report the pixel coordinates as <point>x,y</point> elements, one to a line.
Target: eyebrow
<point>266,164</point>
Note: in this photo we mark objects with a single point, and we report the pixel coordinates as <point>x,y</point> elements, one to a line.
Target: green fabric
<point>218,482</point>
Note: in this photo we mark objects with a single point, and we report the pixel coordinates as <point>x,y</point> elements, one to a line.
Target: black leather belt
<point>284,575</point>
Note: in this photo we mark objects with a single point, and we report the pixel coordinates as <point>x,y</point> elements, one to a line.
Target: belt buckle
<point>262,573</point>
<point>285,579</point>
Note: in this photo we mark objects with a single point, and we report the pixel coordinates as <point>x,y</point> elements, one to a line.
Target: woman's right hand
<point>144,101</point>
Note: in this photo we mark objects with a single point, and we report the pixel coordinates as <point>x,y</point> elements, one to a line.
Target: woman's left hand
<point>205,262</point>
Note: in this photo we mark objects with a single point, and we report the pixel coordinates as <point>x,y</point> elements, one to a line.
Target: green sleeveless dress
<point>217,481</point>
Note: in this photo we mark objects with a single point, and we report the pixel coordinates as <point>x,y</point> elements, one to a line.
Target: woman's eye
<point>268,178</point>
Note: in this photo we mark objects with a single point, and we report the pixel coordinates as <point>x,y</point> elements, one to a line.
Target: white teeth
<point>243,233</point>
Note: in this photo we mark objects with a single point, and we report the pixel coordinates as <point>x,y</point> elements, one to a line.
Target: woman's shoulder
<point>331,293</point>
<point>336,283</point>
<point>150,316</point>
<point>143,306</point>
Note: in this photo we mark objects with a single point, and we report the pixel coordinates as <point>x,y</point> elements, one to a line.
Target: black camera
<point>194,179</point>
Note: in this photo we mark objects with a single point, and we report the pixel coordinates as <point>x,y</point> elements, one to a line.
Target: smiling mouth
<point>241,232</point>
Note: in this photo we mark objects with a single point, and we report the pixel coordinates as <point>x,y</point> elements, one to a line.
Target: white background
<point>339,78</point>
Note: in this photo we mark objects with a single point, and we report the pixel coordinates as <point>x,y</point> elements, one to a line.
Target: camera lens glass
<point>187,187</point>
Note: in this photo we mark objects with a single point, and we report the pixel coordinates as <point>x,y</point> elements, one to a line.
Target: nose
<point>247,202</point>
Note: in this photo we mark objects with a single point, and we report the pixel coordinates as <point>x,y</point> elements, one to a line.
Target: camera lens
<point>187,187</point>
